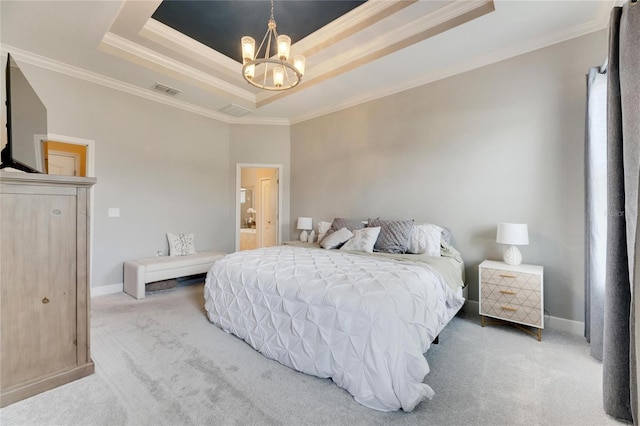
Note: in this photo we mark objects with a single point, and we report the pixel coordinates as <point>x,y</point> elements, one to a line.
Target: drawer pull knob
<point>508,308</point>
<point>45,300</point>
<point>507,292</point>
<point>507,276</point>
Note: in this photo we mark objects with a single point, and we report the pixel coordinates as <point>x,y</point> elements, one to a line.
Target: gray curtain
<point>622,275</point>
<point>596,208</point>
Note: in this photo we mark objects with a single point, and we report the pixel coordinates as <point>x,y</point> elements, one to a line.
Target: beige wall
<point>498,144</point>
<point>260,145</point>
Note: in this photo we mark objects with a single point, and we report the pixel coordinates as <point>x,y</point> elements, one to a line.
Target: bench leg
<point>134,279</point>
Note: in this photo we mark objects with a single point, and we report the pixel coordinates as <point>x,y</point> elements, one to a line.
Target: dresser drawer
<point>504,278</point>
<point>510,312</point>
<point>511,295</point>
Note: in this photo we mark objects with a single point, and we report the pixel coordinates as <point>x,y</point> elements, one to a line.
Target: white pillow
<point>323,227</point>
<point>363,240</point>
<point>336,239</point>
<point>180,244</point>
<point>425,239</point>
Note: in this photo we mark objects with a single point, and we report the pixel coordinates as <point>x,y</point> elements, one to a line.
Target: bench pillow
<point>180,244</point>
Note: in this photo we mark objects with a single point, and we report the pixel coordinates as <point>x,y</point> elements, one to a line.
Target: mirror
<point>247,209</point>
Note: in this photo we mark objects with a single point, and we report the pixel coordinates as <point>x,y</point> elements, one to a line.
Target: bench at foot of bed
<point>141,271</point>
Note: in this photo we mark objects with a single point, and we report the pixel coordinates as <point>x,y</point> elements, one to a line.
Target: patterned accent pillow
<point>362,240</point>
<point>394,235</point>
<point>336,239</point>
<point>180,244</point>
<point>425,239</point>
<point>350,224</point>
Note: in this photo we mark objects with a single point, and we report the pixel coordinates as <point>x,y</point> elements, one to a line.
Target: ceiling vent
<point>234,110</point>
<point>163,88</point>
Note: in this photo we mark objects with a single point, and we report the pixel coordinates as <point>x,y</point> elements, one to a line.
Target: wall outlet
<point>114,212</point>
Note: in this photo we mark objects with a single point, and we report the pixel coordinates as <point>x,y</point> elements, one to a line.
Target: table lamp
<point>512,234</point>
<point>304,223</point>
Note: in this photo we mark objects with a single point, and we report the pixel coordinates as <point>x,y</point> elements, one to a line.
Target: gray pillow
<point>350,224</point>
<point>394,235</point>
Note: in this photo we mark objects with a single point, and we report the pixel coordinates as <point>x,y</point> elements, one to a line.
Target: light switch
<point>114,212</point>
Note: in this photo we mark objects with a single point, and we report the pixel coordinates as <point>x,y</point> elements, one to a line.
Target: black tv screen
<point>26,123</point>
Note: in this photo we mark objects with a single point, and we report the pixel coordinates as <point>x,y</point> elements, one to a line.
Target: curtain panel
<point>595,208</point>
<point>620,373</point>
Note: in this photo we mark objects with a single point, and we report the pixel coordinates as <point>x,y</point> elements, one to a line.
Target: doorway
<point>258,205</point>
<point>62,158</point>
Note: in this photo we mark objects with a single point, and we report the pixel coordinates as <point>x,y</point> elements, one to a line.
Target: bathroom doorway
<point>258,205</point>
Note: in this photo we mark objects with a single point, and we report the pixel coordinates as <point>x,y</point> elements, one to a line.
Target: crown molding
<point>82,74</point>
<point>484,60</point>
<point>436,22</point>
<point>119,46</point>
<point>176,41</point>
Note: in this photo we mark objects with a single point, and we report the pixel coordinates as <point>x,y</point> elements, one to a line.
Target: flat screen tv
<point>26,123</point>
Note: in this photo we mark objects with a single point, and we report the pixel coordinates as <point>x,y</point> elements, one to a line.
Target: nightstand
<point>513,293</point>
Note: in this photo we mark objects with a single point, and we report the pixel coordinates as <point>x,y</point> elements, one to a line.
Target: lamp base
<point>512,256</point>
<point>304,236</point>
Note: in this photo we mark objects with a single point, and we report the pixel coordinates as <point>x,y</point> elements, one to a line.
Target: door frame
<point>239,167</point>
<point>90,172</point>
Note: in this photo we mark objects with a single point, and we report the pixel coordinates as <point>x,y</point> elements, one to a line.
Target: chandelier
<point>273,71</point>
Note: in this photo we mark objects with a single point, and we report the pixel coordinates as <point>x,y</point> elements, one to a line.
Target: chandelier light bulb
<point>250,72</point>
<point>248,49</point>
<point>284,47</point>
<point>299,63</point>
<point>278,76</point>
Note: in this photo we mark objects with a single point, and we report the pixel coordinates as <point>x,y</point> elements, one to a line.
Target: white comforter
<point>363,321</point>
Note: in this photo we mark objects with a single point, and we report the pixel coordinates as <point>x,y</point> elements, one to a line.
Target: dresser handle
<point>507,276</point>
<point>45,300</point>
<point>507,292</point>
<point>508,308</point>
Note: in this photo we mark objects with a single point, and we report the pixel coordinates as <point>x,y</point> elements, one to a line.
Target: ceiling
<point>375,49</point>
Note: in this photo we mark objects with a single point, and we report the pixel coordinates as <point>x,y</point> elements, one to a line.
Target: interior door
<point>269,211</point>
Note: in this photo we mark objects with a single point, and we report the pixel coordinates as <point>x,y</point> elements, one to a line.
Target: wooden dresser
<point>44,280</point>
<point>513,293</point>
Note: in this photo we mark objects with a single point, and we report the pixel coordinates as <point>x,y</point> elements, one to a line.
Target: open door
<point>258,206</point>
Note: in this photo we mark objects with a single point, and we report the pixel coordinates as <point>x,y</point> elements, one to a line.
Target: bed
<point>363,320</point>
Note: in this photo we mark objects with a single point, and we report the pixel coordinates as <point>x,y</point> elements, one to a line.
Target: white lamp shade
<point>305,223</point>
<point>515,234</point>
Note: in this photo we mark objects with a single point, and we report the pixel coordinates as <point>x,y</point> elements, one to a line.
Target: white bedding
<point>363,321</point>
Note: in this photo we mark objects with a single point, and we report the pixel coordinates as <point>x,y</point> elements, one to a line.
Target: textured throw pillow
<point>394,235</point>
<point>323,227</point>
<point>180,244</point>
<point>362,240</point>
<point>350,224</point>
<point>336,239</point>
<point>446,235</point>
<point>425,239</point>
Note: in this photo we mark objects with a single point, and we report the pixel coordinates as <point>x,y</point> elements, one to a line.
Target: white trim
<point>239,167</point>
<point>126,49</point>
<point>90,172</point>
<point>81,74</point>
<point>38,140</point>
<point>482,61</point>
<point>553,323</point>
<point>103,290</point>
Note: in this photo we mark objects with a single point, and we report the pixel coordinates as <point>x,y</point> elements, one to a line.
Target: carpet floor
<point>159,361</point>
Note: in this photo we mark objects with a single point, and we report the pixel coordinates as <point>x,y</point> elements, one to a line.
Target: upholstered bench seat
<point>141,271</point>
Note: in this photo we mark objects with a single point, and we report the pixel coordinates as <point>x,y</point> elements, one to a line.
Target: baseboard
<point>554,323</point>
<point>107,289</point>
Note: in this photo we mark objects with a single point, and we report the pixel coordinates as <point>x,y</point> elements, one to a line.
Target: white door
<point>63,163</point>
<point>268,212</point>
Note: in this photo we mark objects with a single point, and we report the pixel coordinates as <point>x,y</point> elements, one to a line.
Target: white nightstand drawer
<point>523,314</point>
<point>512,295</point>
<point>511,278</point>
